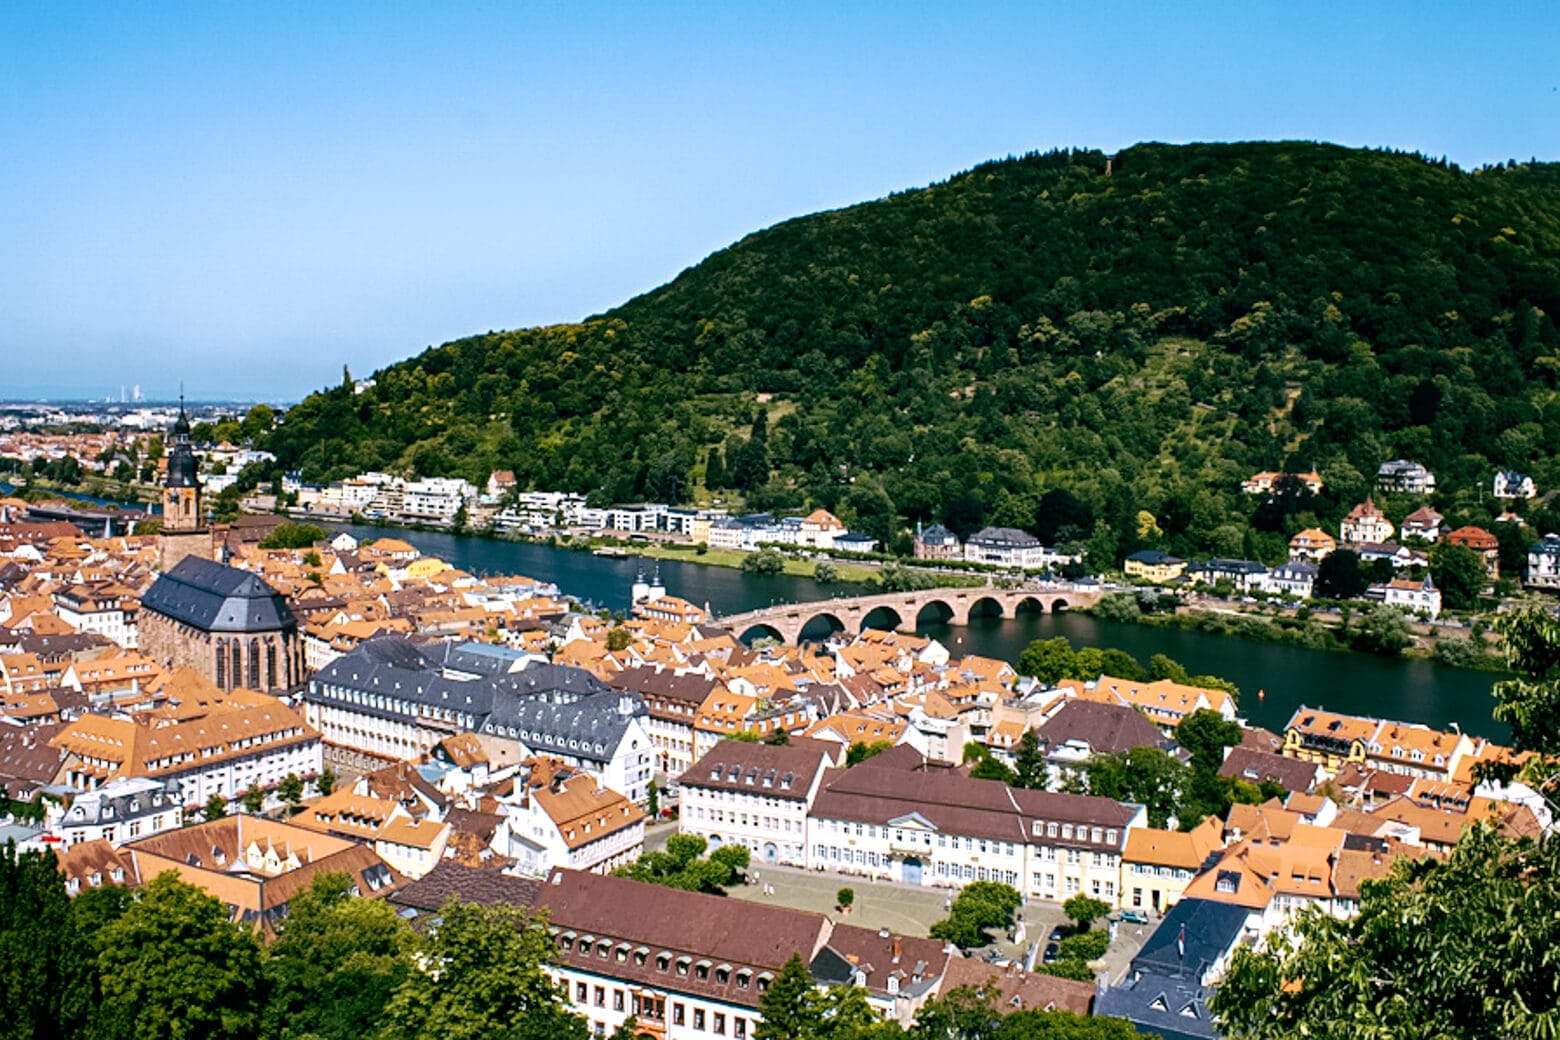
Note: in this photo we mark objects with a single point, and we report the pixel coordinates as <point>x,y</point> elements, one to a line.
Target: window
<point>581,993</point>
<point>601,996</point>
<point>698,1018</point>
<point>677,1014</point>
<point>720,1024</point>
<point>617,1000</point>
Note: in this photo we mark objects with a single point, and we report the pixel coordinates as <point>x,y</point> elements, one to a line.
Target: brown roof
<point>1245,763</point>
<point>432,890</point>
<point>724,932</point>
<point>1017,990</point>
<point>1105,728</point>
<point>778,771</point>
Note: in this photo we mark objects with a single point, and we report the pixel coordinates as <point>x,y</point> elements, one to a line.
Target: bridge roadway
<point>901,611</point>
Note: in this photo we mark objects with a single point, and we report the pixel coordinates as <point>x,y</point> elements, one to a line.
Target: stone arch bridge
<point>903,611</point>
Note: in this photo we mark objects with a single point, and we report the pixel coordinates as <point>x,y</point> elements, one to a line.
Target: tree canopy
<point>1040,343</point>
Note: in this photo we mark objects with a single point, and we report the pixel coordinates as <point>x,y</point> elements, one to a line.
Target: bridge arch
<point>884,618</point>
<point>934,612</point>
<point>1060,605</point>
<point>1029,605</point>
<point>985,607</point>
<point>760,630</point>
<point>819,626</point>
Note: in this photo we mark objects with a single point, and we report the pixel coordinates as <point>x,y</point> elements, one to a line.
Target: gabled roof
<point>214,597</point>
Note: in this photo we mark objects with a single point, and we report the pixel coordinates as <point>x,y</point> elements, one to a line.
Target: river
<point>1287,676</point>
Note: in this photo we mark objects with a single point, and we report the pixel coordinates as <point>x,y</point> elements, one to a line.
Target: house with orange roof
<point>560,817</point>
<point>723,715</point>
<point>1165,702</point>
<point>1330,739</point>
<point>412,846</point>
<point>1365,523</point>
<point>223,753</point>
<point>867,727</point>
<point>820,528</point>
<point>1157,865</point>
<point>1312,544</point>
<point>1481,542</point>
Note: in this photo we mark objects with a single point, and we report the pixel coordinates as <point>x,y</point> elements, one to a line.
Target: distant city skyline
<point>248,198</point>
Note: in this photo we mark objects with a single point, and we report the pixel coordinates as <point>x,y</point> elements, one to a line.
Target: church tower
<point>183,529</point>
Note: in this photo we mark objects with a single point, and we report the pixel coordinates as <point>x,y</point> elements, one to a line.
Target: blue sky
<point>248,196</point>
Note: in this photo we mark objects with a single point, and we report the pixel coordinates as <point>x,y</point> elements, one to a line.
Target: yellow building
<point>1154,565</point>
<point>1157,865</point>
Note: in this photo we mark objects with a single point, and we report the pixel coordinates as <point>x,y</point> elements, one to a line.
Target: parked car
<point>1052,951</point>
<point>1057,934</point>
<point>1134,917</point>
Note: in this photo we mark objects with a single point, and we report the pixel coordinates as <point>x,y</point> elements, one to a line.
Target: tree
<point>619,638</point>
<point>978,906</point>
<point>1458,571</point>
<point>765,561</point>
<point>291,789</point>
<point>47,973</point>
<point>861,750</point>
<point>1205,734</point>
<point>294,536</point>
<point>714,470</point>
<point>825,572</point>
<point>254,799</point>
<point>1530,702</point>
<point>1149,776</point>
<point>335,962</point>
<point>991,768</point>
<point>325,783</point>
<point>216,807</point>
<point>173,966</point>
<point>781,737</point>
<point>1049,660</point>
<point>683,865</point>
<point>1161,666</point>
<point>1085,910</point>
<point>1338,576</point>
<point>1029,766</point>
<point>1383,630</point>
<point>481,974</point>
<point>1085,946</point>
<point>653,800</point>
<point>845,898</point>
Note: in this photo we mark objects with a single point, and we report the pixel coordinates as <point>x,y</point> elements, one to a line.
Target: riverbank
<point>1317,630</point>
<point>101,491</point>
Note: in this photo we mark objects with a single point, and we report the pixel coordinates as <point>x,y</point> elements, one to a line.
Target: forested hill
<point>1142,336</point>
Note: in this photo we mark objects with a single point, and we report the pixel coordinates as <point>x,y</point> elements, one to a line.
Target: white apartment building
<point>106,610</point>
<point>561,818</point>
<point>892,818</point>
<point>757,795</point>
<point>119,811</point>
<point>224,752</point>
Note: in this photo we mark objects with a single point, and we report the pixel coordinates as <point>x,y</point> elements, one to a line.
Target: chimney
<point>883,933</point>
<point>898,948</point>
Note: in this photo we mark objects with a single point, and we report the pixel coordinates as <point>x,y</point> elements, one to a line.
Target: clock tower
<point>184,532</point>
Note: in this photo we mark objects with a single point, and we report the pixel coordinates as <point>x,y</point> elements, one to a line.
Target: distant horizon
<point>247,199</point>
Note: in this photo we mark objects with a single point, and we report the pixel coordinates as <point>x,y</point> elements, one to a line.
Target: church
<point>226,623</point>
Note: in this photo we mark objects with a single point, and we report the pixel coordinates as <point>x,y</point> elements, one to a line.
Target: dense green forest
<point>1042,342</point>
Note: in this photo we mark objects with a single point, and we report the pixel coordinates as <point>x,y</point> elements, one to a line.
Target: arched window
<point>270,666</point>
<point>222,666</point>
<point>254,664</point>
<point>238,665</point>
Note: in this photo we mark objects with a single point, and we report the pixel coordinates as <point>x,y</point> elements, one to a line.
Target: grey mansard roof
<point>549,708</point>
<point>214,597</point>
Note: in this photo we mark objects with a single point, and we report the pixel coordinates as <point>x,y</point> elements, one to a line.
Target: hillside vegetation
<point>1040,344</point>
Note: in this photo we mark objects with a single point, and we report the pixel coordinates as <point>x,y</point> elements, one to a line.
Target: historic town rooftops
<point>214,597</point>
<point>1014,989</point>
<point>785,771</point>
<point>1105,728</point>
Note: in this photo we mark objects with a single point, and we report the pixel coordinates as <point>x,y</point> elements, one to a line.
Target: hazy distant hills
<point>1142,337</point>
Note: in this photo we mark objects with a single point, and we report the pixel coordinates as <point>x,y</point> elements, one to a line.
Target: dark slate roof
<point>937,534</point>
<point>1153,556</point>
<point>1160,1005</point>
<point>1004,537</point>
<point>214,597</point>
<point>550,708</point>
<point>1211,930</point>
<point>1235,567</point>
